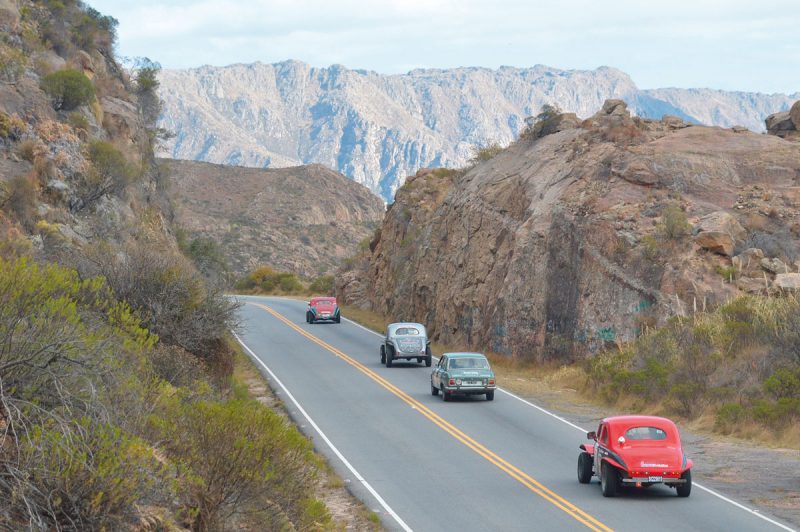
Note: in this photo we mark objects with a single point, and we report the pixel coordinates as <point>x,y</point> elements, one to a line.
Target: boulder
<point>9,14</point>
<point>794,114</point>
<point>673,122</point>
<point>748,262</point>
<point>637,172</point>
<point>787,281</point>
<point>616,108</point>
<point>752,285</point>
<point>774,265</point>
<point>718,232</point>
<point>780,124</point>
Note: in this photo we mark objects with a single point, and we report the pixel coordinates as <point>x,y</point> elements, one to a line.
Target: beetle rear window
<point>645,433</point>
<point>407,331</point>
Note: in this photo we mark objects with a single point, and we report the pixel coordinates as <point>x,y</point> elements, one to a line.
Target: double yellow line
<point>514,472</point>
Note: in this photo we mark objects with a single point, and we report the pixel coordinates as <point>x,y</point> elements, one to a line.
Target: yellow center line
<point>514,472</point>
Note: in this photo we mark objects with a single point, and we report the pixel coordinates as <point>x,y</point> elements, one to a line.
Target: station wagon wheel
<point>445,395</point>
<point>434,390</point>
<point>685,489</point>
<point>490,396</point>
<point>428,356</point>
<point>383,354</point>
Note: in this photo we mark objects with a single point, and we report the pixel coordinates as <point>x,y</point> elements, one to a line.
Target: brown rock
<point>752,285</point>
<point>719,232</point>
<point>774,265</point>
<point>636,171</point>
<point>673,122</point>
<point>748,262</point>
<point>794,114</point>
<point>787,281</point>
<point>9,14</point>
<point>780,124</point>
<point>616,108</point>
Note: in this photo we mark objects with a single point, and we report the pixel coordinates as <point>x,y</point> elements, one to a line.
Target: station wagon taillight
<point>452,382</point>
<point>491,382</point>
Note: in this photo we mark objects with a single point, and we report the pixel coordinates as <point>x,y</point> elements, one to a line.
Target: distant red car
<point>323,309</point>
<point>635,451</point>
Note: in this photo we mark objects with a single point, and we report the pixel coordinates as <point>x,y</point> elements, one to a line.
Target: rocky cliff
<point>584,233</point>
<point>304,219</point>
<point>376,129</point>
<point>76,157</point>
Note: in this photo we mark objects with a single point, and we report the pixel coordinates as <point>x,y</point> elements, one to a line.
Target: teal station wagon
<point>463,374</point>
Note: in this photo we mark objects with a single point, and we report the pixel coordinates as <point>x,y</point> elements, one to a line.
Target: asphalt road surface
<point>423,464</point>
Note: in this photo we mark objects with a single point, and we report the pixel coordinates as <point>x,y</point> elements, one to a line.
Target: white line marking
<point>573,425</point>
<point>330,444</point>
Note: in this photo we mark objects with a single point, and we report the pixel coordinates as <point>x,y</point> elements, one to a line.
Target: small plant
<point>651,247</point>
<point>68,89</point>
<point>728,273</point>
<point>22,199</point>
<point>78,121</point>
<point>482,154</point>
<point>674,224</point>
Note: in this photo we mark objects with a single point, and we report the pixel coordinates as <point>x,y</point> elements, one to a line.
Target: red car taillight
<point>452,382</point>
<point>491,382</point>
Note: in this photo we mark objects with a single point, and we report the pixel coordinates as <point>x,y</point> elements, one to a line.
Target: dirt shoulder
<point>348,512</point>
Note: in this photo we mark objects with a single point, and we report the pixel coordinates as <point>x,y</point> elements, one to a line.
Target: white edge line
<point>330,444</point>
<point>573,425</point>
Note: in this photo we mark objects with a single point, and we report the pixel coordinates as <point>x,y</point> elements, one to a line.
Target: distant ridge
<point>377,129</point>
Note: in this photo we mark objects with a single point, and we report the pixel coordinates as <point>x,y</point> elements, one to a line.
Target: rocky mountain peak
<point>377,129</point>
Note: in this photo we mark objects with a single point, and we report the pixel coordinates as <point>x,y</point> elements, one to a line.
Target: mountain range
<point>377,129</point>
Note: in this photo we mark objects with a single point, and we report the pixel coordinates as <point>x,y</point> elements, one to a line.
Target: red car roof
<point>654,421</point>
<point>315,300</point>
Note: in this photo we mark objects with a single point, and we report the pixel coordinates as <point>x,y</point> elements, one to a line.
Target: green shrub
<point>86,478</point>
<point>12,63</point>
<point>22,199</point>
<point>728,273</point>
<point>784,383</point>
<point>729,416</point>
<point>322,285</point>
<point>5,125</point>
<point>269,281</point>
<point>651,247</point>
<point>68,89</point>
<point>482,154</point>
<point>674,223</point>
<point>78,121</point>
<point>235,454</point>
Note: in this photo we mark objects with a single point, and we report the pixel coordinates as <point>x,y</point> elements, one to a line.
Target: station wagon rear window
<point>645,433</point>
<point>407,331</point>
<point>468,363</point>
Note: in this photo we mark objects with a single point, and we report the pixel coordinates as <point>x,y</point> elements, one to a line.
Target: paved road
<point>423,464</point>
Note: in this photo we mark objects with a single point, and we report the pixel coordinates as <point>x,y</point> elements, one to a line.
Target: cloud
<point>730,44</point>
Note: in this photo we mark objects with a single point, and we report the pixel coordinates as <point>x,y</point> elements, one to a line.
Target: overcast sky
<point>750,45</point>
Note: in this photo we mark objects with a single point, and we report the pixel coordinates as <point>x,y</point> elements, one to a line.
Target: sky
<point>748,45</point>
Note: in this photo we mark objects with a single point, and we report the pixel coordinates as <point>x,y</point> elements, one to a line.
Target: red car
<point>323,309</point>
<point>635,451</point>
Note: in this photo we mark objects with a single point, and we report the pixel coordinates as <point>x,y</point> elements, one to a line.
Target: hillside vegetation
<point>119,409</point>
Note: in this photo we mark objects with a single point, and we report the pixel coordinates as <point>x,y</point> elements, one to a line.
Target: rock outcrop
<point>563,243</point>
<point>719,232</point>
<point>303,220</point>
<point>785,124</point>
<point>377,129</point>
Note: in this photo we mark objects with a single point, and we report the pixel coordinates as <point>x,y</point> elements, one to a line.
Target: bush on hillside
<point>674,224</point>
<point>482,154</point>
<point>236,455</point>
<point>322,285</point>
<point>22,199</point>
<point>68,89</point>
<point>269,281</point>
<point>748,350</point>
<point>170,297</point>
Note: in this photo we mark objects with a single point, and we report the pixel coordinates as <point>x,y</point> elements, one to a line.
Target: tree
<point>68,89</point>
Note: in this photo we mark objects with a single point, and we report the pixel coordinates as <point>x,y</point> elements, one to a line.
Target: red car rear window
<point>645,433</point>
